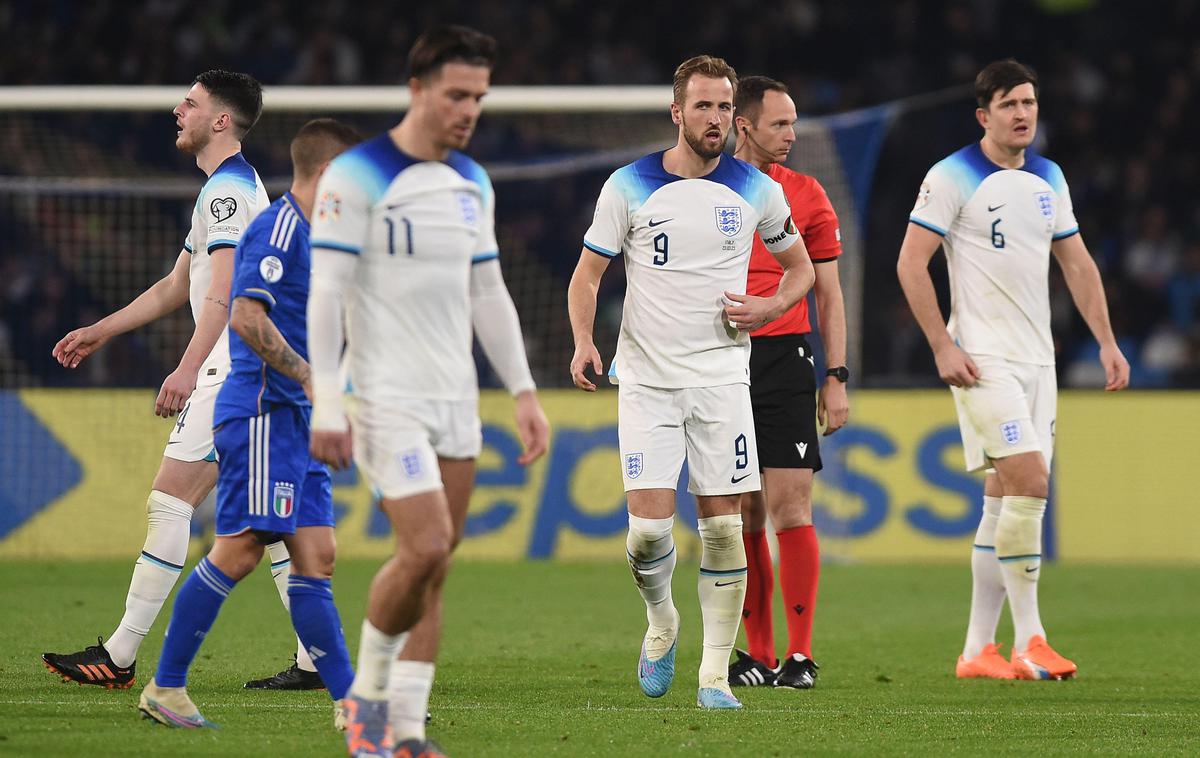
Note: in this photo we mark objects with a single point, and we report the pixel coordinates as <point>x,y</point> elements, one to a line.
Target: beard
<point>699,147</point>
<point>191,143</point>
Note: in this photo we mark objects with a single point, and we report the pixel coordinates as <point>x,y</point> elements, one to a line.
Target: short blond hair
<point>702,65</point>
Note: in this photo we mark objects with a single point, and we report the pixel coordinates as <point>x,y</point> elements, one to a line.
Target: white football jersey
<point>686,241</point>
<point>998,225</point>
<point>228,202</point>
<point>417,228</point>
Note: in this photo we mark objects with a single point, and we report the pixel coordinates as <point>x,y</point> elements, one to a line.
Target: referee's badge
<point>633,465</point>
<point>284,499</point>
<point>729,220</point>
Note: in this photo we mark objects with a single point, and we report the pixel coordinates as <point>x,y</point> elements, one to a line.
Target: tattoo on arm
<point>263,337</point>
<point>218,301</point>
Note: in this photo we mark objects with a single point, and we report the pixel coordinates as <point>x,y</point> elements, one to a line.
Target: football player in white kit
<point>685,220</point>
<point>999,210</point>
<point>214,117</point>
<point>404,245</point>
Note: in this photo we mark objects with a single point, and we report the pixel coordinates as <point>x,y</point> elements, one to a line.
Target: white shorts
<point>397,443</point>
<point>1010,410</point>
<point>712,426</point>
<point>192,436</point>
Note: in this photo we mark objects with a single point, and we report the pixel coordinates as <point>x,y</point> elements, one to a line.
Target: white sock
<point>650,548</point>
<point>376,653</point>
<point>408,698</point>
<point>281,566</point>
<point>722,587</point>
<point>1019,550</point>
<point>987,583</point>
<point>169,522</point>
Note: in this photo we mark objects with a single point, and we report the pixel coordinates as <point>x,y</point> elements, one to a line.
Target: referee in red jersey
<point>787,403</point>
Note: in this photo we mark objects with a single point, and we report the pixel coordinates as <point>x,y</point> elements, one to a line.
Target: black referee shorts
<point>783,392</point>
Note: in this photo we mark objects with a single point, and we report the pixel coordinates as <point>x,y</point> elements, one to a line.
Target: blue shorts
<point>268,482</point>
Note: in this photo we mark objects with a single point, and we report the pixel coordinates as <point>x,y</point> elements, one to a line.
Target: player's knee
<point>791,507</point>
<point>318,563</point>
<point>236,558</point>
<point>649,539</point>
<point>1031,482</point>
<point>426,557</point>
<point>754,512</point>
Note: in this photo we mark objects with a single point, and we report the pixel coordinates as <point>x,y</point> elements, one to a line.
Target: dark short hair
<point>701,65</point>
<point>241,93</point>
<point>450,44</point>
<point>320,141</point>
<point>750,91</point>
<point>1002,76</point>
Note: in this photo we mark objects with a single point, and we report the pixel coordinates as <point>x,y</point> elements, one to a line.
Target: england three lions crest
<point>1045,204</point>
<point>633,465</point>
<point>729,220</point>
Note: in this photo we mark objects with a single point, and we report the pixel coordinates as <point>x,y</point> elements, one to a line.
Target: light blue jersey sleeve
<point>228,204</point>
<point>1065,223</point>
<point>610,223</point>
<point>776,227</point>
<point>941,197</point>
<point>344,197</point>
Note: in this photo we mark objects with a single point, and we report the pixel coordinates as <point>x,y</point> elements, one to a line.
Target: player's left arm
<point>1087,290</point>
<point>750,312</point>
<point>214,315</point>
<point>498,328</point>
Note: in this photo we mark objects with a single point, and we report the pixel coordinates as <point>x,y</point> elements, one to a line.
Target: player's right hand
<point>1116,368</point>
<point>955,367</point>
<point>176,389</point>
<point>585,354</point>
<point>334,449</point>
<point>79,344</point>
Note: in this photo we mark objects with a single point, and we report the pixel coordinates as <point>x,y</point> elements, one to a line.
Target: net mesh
<point>94,208</point>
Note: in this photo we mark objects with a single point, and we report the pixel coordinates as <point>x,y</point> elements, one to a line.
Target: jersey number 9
<point>660,249</point>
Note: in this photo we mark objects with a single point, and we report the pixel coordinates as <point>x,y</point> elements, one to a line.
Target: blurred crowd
<point>1116,113</point>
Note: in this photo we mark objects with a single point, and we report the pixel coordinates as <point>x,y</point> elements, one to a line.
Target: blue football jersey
<point>271,265</point>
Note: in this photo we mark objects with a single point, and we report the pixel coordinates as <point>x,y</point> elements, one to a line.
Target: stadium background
<point>94,205</point>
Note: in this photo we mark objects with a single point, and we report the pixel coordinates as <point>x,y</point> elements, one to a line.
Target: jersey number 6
<point>997,235</point>
<point>660,248</point>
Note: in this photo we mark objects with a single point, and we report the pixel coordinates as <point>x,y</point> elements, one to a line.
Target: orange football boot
<point>1039,661</point>
<point>987,665</point>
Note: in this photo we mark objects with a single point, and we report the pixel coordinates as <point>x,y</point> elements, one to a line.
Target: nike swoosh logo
<point>998,207</point>
<point>654,223</point>
<point>736,479</point>
<point>1030,571</point>
<point>726,584</point>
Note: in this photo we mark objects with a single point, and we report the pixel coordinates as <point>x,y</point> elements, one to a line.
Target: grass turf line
<point>539,659</point>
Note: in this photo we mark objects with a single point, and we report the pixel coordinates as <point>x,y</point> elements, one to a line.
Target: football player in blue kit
<point>269,486</point>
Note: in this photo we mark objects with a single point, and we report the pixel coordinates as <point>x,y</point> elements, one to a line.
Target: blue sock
<point>196,608</point>
<point>317,624</point>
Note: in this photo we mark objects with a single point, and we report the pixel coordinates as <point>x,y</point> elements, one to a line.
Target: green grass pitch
<point>539,659</point>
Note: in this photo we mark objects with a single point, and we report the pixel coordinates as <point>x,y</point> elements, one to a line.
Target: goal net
<point>95,202</point>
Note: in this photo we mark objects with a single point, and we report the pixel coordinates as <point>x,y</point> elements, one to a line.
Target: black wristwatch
<point>841,373</point>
